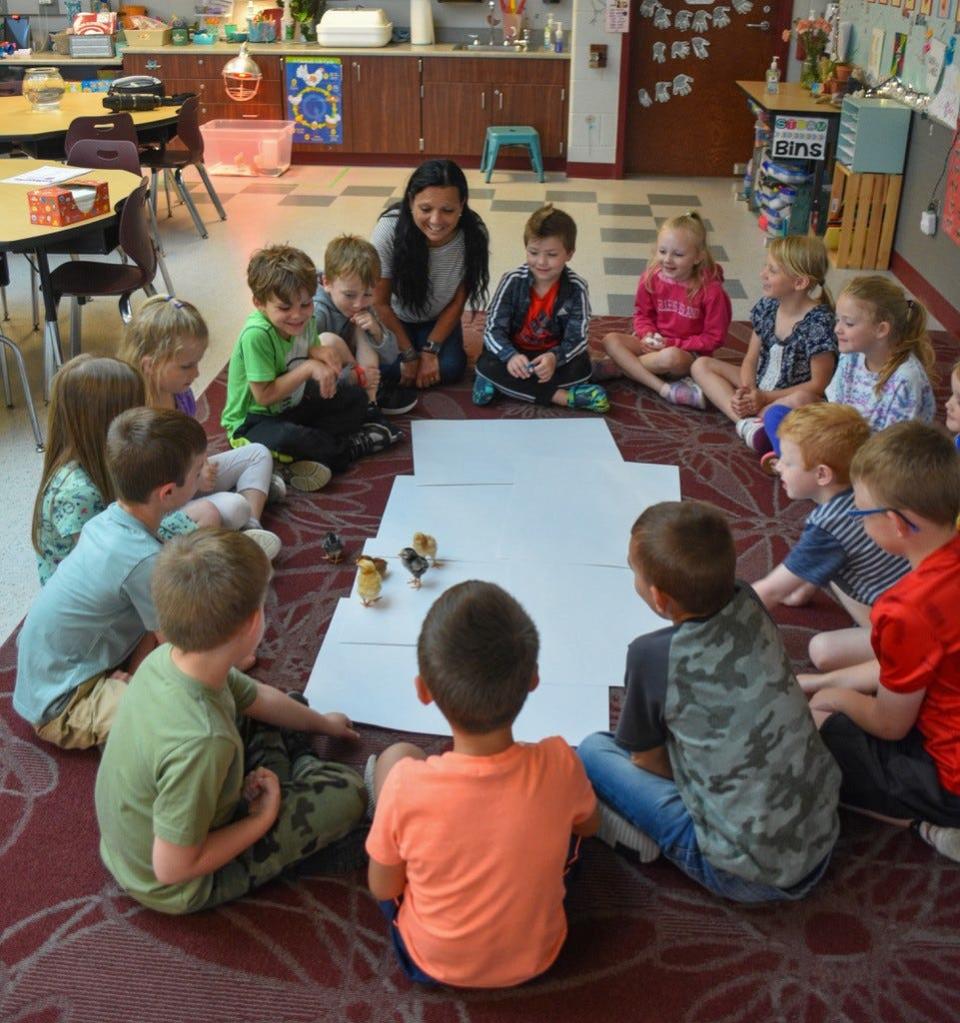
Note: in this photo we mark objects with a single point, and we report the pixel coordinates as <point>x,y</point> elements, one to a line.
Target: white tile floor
<point>307,207</point>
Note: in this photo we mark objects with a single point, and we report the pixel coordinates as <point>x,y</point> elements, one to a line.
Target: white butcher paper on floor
<point>467,521</point>
<point>374,685</point>
<point>584,514</point>
<point>476,452</point>
<point>586,615</point>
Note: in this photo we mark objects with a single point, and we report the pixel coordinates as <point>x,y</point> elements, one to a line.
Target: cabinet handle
<point>152,65</point>
<point>499,92</point>
<point>200,60</point>
<point>356,68</point>
<point>250,117</point>
<point>483,100</point>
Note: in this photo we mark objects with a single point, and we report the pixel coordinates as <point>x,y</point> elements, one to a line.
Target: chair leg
<point>153,191</point>
<point>3,298</point>
<point>188,202</point>
<point>24,383</point>
<point>211,191</point>
<point>52,356</point>
<point>166,189</point>
<point>75,325</point>
<point>158,248</point>
<point>493,153</point>
<point>34,296</point>
<point>7,396</point>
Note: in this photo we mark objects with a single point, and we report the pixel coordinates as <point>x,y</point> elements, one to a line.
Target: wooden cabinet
<point>391,106</point>
<point>462,96</point>
<point>204,76</point>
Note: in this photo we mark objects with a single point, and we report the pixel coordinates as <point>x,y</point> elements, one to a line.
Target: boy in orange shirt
<point>468,850</point>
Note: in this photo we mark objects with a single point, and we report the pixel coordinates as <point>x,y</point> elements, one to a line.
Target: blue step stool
<point>511,135</point>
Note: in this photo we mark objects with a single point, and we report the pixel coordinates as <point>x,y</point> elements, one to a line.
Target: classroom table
<point>792,98</point>
<point>42,132</point>
<point>18,234</point>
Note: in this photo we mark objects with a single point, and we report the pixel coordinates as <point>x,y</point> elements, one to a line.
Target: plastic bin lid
<point>374,17</point>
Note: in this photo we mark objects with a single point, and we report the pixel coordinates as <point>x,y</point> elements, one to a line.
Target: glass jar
<point>43,87</point>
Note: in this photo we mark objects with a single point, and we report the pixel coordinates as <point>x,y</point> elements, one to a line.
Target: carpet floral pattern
<point>877,940</point>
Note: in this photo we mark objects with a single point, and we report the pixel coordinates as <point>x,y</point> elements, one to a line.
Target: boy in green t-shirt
<point>284,390</point>
<point>194,809</point>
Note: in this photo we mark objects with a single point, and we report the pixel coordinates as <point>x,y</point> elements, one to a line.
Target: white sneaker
<point>268,542</point>
<point>616,830</point>
<point>278,489</point>
<point>945,840</point>
<point>368,784</point>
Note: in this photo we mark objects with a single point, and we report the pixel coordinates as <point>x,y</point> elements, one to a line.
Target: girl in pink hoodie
<point>681,311</point>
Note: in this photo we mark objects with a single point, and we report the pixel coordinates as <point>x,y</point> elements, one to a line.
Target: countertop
<point>286,49</point>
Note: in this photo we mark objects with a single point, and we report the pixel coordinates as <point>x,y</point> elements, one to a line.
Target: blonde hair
<point>912,466</point>
<point>158,332</point>
<point>87,393</point>
<point>281,272</point>
<point>888,303</point>
<point>692,223</point>
<point>205,585</point>
<point>826,434</point>
<point>353,255</point>
<point>803,255</point>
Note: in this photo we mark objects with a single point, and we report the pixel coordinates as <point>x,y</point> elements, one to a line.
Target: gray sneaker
<point>616,830</point>
<point>372,438</point>
<point>308,476</point>
<point>278,489</point>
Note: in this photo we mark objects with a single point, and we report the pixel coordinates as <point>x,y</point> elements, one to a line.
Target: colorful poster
<point>799,138</point>
<point>926,6</point>
<point>314,95</point>
<point>899,54</point>
<point>908,6</point>
<point>943,9</point>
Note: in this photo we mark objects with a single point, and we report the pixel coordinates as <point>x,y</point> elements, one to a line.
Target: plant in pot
<point>179,33</point>
<point>307,13</point>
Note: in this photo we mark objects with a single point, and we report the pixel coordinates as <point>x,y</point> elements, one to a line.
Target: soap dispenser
<point>773,76</point>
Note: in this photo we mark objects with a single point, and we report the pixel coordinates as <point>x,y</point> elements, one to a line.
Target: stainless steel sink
<point>487,48</point>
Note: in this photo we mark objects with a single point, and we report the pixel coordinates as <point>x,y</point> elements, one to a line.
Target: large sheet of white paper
<point>374,685</point>
<point>586,614</point>
<point>475,452</point>
<point>467,521</point>
<point>582,515</point>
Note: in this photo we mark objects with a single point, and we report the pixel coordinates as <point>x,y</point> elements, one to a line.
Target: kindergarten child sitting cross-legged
<point>468,850</point>
<point>899,751</point>
<point>195,808</point>
<point>535,340</point>
<point>817,445</point>
<point>715,759</point>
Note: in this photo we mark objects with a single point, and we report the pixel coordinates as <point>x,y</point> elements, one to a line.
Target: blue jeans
<point>654,805</point>
<point>390,908</point>
<point>452,358</point>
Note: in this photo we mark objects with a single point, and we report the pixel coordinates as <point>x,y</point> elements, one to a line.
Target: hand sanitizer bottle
<point>773,77</point>
<point>558,39</point>
<point>548,34</point>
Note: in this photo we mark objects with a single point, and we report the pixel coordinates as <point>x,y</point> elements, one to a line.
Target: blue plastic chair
<point>500,135</point>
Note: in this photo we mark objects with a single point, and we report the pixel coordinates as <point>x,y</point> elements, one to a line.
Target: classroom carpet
<point>876,940</point>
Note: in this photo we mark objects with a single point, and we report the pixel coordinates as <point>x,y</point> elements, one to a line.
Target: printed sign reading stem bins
<point>802,138</point>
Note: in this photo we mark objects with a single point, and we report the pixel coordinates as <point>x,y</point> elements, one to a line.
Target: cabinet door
<point>455,118</point>
<point>542,107</point>
<point>384,111</point>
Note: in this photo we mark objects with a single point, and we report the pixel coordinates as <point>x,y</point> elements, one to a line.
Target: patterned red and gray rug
<point>876,941</point>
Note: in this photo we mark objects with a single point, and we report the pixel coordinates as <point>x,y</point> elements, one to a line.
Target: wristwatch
<point>432,348</point>
<point>409,354</point>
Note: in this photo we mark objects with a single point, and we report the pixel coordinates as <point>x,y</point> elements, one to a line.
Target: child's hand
<point>208,478</point>
<point>365,320</point>
<point>339,726</point>
<point>743,403</point>
<point>327,355</point>
<point>261,790</point>
<point>519,366</point>
<point>325,376</point>
<point>650,343</point>
<point>545,366</point>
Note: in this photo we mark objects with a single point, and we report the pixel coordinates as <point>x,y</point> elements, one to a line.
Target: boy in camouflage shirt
<point>200,796</point>
<point>715,759</point>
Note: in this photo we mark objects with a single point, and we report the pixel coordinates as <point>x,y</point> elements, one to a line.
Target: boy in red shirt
<point>468,850</point>
<point>899,751</point>
<point>535,339</point>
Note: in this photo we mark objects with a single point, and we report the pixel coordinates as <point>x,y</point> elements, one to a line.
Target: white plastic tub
<point>368,27</point>
<point>247,148</point>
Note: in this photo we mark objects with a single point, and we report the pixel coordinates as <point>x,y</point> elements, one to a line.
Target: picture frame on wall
<point>908,6</point>
<point>926,7</point>
<point>943,8</point>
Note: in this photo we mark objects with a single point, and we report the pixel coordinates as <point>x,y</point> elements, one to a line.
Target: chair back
<point>188,129</point>
<point>135,237</point>
<point>116,127</point>
<point>105,155</point>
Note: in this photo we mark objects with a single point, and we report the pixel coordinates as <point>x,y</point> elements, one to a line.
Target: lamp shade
<point>241,76</point>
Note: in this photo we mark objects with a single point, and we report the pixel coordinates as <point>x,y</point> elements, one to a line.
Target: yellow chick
<point>368,581</point>
<point>426,546</point>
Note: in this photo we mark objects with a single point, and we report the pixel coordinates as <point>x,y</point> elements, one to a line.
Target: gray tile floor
<point>617,222</point>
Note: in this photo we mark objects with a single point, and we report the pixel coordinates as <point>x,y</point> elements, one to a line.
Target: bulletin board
<point>910,17</point>
<point>951,198</point>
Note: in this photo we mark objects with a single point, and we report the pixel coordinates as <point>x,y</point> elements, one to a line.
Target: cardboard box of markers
<point>62,205</point>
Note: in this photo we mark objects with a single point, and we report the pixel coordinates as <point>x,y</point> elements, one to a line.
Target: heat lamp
<point>241,76</point>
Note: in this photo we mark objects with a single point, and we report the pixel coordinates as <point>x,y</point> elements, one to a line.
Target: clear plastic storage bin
<point>247,148</point>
